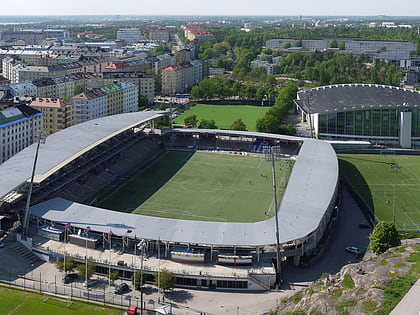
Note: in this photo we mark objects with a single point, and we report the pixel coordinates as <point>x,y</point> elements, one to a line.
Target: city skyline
<point>216,7</point>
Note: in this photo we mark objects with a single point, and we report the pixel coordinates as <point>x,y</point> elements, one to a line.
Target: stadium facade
<point>76,163</point>
<point>380,114</point>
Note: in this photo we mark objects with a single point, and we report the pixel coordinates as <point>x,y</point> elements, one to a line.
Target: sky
<point>213,7</point>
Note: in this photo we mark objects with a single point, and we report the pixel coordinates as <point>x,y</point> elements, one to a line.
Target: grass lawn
<point>225,115</point>
<point>372,177</point>
<point>15,301</point>
<point>202,186</point>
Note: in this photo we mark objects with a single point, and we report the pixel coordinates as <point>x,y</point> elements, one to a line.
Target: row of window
<point>371,122</point>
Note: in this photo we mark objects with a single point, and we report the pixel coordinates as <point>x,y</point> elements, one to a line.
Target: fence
<point>101,293</point>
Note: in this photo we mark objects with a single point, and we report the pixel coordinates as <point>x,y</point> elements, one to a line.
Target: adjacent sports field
<point>225,115</point>
<point>14,301</point>
<point>202,186</point>
<point>372,177</point>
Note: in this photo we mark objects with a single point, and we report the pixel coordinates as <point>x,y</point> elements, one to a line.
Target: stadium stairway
<point>24,253</point>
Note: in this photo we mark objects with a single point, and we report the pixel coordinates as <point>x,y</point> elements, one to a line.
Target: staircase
<point>259,282</point>
<point>24,253</point>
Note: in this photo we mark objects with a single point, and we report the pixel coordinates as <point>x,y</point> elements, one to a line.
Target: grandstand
<point>78,162</point>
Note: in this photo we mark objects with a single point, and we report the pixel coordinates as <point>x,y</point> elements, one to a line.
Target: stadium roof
<point>347,97</point>
<point>311,187</point>
<point>64,146</point>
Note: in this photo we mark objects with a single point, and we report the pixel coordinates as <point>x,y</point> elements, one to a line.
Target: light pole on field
<point>271,154</point>
<point>40,138</point>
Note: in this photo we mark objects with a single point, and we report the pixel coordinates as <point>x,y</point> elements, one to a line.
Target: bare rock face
<point>369,276</point>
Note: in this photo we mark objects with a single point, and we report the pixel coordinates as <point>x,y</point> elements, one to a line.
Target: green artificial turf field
<point>225,115</point>
<point>15,301</point>
<point>372,177</point>
<point>202,186</point>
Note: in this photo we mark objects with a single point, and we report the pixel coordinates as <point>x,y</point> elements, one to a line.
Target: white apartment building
<point>89,105</point>
<point>130,97</point>
<point>18,127</point>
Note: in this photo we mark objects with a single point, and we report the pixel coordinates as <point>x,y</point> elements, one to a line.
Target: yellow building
<point>58,114</point>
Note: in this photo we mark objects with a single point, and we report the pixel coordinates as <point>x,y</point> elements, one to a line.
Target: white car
<point>353,249</point>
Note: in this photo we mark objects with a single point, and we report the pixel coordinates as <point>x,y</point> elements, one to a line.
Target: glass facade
<point>415,125</point>
<point>368,122</point>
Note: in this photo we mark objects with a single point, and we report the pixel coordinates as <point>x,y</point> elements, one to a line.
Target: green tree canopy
<point>70,264</point>
<point>207,124</point>
<point>238,125</point>
<point>140,280</point>
<point>191,121</point>
<point>167,280</point>
<point>385,235</point>
<point>78,88</point>
<point>91,268</point>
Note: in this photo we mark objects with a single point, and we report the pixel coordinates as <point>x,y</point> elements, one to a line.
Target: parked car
<point>2,245</point>
<point>70,277</point>
<point>353,250</point>
<point>90,283</point>
<point>121,288</point>
<point>2,233</point>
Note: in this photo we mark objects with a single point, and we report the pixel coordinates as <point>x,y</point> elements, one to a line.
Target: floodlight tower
<point>271,153</point>
<point>40,138</point>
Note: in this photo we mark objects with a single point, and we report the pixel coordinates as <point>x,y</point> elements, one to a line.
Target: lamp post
<point>40,137</point>
<point>109,265</point>
<point>395,168</point>
<point>66,228</point>
<point>86,258</point>
<point>141,246</point>
<point>270,153</point>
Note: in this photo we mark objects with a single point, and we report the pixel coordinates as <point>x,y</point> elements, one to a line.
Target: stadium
<point>380,114</point>
<point>76,165</point>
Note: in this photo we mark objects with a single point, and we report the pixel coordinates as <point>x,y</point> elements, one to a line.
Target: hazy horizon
<point>410,8</point>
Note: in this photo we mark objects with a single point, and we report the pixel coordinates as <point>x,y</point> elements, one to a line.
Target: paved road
<point>345,233</point>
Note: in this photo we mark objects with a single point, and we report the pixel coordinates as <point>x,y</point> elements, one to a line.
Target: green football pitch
<point>373,178</point>
<point>225,115</point>
<point>15,301</point>
<point>202,186</point>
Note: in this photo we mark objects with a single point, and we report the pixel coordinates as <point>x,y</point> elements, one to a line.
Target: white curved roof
<point>310,189</point>
<point>64,146</point>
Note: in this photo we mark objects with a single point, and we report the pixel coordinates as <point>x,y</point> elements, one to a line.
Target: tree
<point>139,277</point>
<point>143,101</point>
<point>238,125</point>
<point>207,124</point>
<point>191,121</point>
<point>385,235</point>
<point>334,44</point>
<point>167,280</point>
<point>114,275</point>
<point>70,264</point>
<point>78,88</point>
<point>91,268</point>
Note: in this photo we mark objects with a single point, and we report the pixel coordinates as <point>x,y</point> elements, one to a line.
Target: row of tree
<point>335,68</point>
<point>271,121</point>
<point>222,87</point>
<point>192,122</point>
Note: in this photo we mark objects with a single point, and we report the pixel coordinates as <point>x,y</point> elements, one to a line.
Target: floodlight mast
<point>270,151</point>
<point>40,137</point>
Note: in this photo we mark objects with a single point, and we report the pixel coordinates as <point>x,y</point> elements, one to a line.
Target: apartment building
<point>129,35</point>
<point>58,114</point>
<point>351,46</point>
<point>160,34</point>
<point>89,105</point>
<point>145,82</point>
<point>23,89</point>
<point>107,100</point>
<point>18,126</point>
<point>195,32</point>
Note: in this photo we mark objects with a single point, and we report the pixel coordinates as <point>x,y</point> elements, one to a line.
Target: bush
<point>370,306</point>
<point>384,236</point>
<point>297,298</point>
